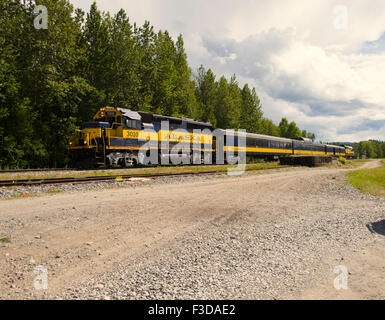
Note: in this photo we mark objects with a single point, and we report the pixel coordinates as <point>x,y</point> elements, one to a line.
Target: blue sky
<point>375,47</point>
<point>320,63</point>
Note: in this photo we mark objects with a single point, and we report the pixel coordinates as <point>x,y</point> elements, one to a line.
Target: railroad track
<point>36,170</point>
<point>73,180</point>
<point>89,169</point>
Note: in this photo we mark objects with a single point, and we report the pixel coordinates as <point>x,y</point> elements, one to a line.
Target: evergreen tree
<point>206,88</point>
<point>185,91</point>
<point>145,48</point>
<point>165,80</point>
<point>283,127</point>
<point>251,111</point>
<point>267,127</point>
<point>98,40</point>
<point>293,131</point>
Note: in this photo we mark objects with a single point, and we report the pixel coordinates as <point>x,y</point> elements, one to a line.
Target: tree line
<point>52,80</point>
<point>370,149</point>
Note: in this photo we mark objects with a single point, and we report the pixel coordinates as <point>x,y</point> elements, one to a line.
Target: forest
<point>370,149</point>
<point>54,79</point>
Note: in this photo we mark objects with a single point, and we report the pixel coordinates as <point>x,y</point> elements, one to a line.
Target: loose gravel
<point>308,227</point>
<point>28,191</point>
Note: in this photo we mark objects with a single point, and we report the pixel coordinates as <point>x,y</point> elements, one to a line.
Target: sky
<point>320,63</point>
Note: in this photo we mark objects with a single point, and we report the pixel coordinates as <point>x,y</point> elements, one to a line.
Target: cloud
<point>310,84</point>
<point>327,76</point>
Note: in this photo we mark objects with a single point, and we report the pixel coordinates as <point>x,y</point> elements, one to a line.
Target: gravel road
<point>258,236</point>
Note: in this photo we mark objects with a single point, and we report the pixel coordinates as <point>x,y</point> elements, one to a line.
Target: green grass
<point>5,240</point>
<point>369,180</point>
<point>54,191</point>
<point>346,164</point>
<point>342,160</point>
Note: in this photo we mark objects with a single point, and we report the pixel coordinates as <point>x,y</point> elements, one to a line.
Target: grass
<point>5,240</point>
<point>346,164</point>
<point>54,191</point>
<point>342,160</point>
<point>369,180</point>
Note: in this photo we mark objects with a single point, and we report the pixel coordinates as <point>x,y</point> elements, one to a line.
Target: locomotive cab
<point>111,138</point>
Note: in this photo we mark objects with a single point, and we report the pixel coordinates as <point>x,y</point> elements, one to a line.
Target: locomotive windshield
<point>108,116</point>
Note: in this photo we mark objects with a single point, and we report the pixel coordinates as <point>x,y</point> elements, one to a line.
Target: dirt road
<point>273,235</point>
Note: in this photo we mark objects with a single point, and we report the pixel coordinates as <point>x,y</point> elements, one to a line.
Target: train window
<point>131,124</point>
<point>274,144</point>
<point>288,145</point>
<point>262,143</point>
<point>251,142</point>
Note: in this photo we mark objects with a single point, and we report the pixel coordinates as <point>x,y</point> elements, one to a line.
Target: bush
<point>342,160</point>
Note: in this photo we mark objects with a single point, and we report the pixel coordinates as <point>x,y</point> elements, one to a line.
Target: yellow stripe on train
<point>171,136</point>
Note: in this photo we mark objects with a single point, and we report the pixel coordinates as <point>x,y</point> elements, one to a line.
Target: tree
<point>165,80</point>
<point>145,48</point>
<point>16,115</point>
<point>383,149</point>
<point>185,98</point>
<point>52,80</point>
<point>267,127</point>
<point>228,103</point>
<point>283,127</point>
<point>49,62</point>
<point>206,88</point>
<point>293,131</point>
<point>311,136</point>
<point>251,111</point>
<point>97,38</point>
<point>122,64</point>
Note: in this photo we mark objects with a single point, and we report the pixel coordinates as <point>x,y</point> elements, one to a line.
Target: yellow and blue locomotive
<point>116,136</point>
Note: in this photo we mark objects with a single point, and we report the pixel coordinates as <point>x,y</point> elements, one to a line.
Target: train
<point>123,137</point>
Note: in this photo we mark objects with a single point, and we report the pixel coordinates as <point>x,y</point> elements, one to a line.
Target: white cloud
<point>303,68</point>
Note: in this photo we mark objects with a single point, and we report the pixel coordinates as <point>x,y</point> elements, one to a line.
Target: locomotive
<point>118,136</point>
